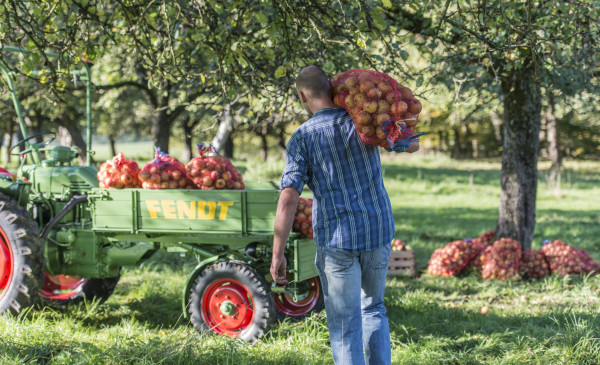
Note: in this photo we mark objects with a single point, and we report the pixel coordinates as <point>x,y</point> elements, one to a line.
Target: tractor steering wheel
<point>36,145</point>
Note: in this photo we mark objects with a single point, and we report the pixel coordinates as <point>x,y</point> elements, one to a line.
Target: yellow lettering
<point>224,207</point>
<point>153,208</point>
<point>168,207</point>
<point>188,210</point>
<point>212,207</point>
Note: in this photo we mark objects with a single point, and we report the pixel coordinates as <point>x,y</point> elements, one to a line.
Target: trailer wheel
<point>230,298</point>
<point>71,289</point>
<point>21,259</point>
<point>309,299</point>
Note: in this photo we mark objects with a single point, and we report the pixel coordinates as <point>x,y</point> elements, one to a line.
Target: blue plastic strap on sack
<point>210,150</point>
<point>402,145</point>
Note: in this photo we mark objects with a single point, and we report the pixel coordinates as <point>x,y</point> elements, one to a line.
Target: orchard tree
<point>221,48</point>
<point>517,48</point>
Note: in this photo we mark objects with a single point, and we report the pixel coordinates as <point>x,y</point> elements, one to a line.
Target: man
<point>352,219</point>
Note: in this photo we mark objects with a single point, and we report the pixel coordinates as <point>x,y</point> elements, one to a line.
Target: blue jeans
<point>353,287</point>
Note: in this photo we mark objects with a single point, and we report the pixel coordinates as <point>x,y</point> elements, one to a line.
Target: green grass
<point>433,320</point>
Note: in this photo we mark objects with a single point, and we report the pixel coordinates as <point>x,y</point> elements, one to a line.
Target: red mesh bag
<point>533,265</point>
<point>384,112</point>
<point>501,260</point>
<point>303,217</point>
<point>118,173</point>
<point>452,258</point>
<point>165,172</point>
<point>211,171</point>
<point>565,259</point>
<point>485,240</point>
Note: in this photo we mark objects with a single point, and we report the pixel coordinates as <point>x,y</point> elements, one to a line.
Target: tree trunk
<point>113,146</point>
<point>225,129</point>
<point>77,140</point>
<point>497,124</point>
<point>553,146</point>
<point>187,137</point>
<point>455,151</point>
<point>518,178</point>
<point>8,138</point>
<point>264,153</point>
<point>228,147</point>
<point>161,129</point>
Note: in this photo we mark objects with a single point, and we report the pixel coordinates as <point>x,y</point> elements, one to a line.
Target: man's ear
<point>303,97</point>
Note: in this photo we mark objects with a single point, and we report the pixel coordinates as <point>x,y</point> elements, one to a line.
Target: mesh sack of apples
<point>452,258</point>
<point>165,172</point>
<point>565,259</point>
<point>485,240</point>
<point>501,260</point>
<point>384,112</point>
<point>210,171</point>
<point>119,173</point>
<point>533,265</point>
<point>303,217</point>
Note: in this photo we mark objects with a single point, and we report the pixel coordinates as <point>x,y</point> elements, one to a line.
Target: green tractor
<point>63,239</point>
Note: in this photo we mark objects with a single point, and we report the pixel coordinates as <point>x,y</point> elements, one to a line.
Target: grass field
<point>433,320</point>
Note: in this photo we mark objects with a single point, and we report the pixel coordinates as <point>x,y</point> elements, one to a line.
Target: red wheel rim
<point>61,287</point>
<point>227,307</point>
<point>6,263</point>
<point>306,302</point>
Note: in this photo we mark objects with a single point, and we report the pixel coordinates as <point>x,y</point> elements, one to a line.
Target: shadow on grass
<point>417,320</point>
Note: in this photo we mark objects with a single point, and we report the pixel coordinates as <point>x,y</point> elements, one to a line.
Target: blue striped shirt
<point>351,208</point>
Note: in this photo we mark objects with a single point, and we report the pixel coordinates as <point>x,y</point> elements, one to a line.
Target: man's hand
<point>414,147</point>
<point>278,269</point>
<point>284,218</point>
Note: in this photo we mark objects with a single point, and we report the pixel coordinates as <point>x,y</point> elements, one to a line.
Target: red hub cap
<point>6,263</point>
<point>61,287</point>
<point>286,304</point>
<point>227,307</point>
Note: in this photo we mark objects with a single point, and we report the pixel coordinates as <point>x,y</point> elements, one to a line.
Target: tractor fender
<point>192,278</point>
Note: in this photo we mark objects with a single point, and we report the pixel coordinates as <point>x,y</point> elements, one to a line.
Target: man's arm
<point>284,219</point>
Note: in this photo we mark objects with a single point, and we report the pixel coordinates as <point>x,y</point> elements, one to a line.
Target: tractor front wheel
<point>230,298</point>
<point>70,289</point>
<point>20,258</point>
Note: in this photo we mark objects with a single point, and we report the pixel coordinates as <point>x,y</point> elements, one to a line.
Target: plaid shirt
<point>351,208</point>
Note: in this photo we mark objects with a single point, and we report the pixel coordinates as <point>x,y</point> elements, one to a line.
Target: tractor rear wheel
<point>230,298</point>
<point>70,289</point>
<point>21,258</point>
<point>309,299</point>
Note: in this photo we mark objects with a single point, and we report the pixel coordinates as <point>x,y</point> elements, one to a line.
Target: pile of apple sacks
<point>209,171</point>
<point>504,259</point>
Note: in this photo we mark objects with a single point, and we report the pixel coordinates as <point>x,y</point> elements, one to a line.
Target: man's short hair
<point>312,79</point>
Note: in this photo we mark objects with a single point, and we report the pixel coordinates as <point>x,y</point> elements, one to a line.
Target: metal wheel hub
<point>227,307</point>
<point>302,303</point>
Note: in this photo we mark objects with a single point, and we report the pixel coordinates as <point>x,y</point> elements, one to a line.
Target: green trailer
<point>63,239</point>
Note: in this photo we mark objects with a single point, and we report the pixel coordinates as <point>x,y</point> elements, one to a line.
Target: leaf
<point>404,54</point>
<point>261,17</point>
<point>419,81</point>
<point>387,3</point>
<point>361,43</point>
<point>280,72</point>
